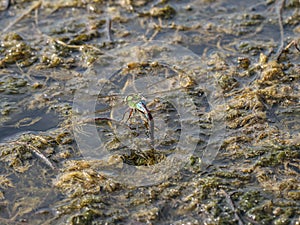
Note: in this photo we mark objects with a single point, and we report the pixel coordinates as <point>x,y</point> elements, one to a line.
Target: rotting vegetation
<point>254,179</point>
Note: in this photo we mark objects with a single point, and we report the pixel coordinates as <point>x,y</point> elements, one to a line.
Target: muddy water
<point>216,84</point>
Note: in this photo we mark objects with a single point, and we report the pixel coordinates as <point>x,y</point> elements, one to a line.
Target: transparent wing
<point>160,86</point>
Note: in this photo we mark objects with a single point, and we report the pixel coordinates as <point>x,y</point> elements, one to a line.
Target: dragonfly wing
<point>141,106</point>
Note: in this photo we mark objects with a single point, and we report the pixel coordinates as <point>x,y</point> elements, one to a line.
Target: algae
<point>47,45</point>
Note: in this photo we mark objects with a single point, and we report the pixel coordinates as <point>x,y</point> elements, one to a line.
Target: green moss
<point>295,195</point>
<point>252,87</point>
<point>282,221</point>
<point>12,37</point>
<point>249,200</point>
<point>84,219</point>
<point>166,12</point>
<point>207,185</point>
<point>13,85</point>
<point>278,156</point>
<point>244,62</point>
<point>232,175</point>
<point>15,50</point>
<point>227,82</point>
<point>145,158</point>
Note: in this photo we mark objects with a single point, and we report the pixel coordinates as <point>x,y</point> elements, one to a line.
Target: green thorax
<point>133,100</point>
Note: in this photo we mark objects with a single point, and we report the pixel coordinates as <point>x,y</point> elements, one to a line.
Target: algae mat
<point>220,78</point>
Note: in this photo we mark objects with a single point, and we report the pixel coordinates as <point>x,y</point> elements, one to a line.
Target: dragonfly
<point>128,90</point>
<point>137,103</point>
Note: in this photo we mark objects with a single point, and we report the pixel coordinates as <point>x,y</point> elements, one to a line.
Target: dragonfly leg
<point>130,114</point>
<point>149,124</point>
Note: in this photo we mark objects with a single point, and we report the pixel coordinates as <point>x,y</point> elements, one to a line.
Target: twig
<point>37,153</point>
<point>292,43</point>
<point>33,7</point>
<point>157,29</point>
<point>67,45</point>
<point>79,47</point>
<point>108,29</point>
<point>41,156</point>
<point>279,11</point>
<point>231,204</point>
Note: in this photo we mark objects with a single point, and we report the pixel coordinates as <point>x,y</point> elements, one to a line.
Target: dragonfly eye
<point>128,98</point>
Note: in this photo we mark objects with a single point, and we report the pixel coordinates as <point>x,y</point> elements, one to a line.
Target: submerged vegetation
<point>250,48</point>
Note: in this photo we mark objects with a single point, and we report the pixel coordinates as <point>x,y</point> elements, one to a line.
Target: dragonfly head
<point>133,99</point>
<point>128,98</point>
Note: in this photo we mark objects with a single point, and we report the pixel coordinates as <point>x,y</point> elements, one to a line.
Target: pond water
<point>219,78</point>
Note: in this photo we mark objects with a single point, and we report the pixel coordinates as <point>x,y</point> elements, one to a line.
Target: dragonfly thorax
<point>133,100</point>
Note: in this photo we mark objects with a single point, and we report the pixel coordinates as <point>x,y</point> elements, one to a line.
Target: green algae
<point>13,85</point>
<point>15,50</point>
<point>166,12</point>
<point>259,159</point>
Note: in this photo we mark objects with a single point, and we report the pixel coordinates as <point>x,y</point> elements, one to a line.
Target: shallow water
<point>15,127</point>
<point>226,113</point>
